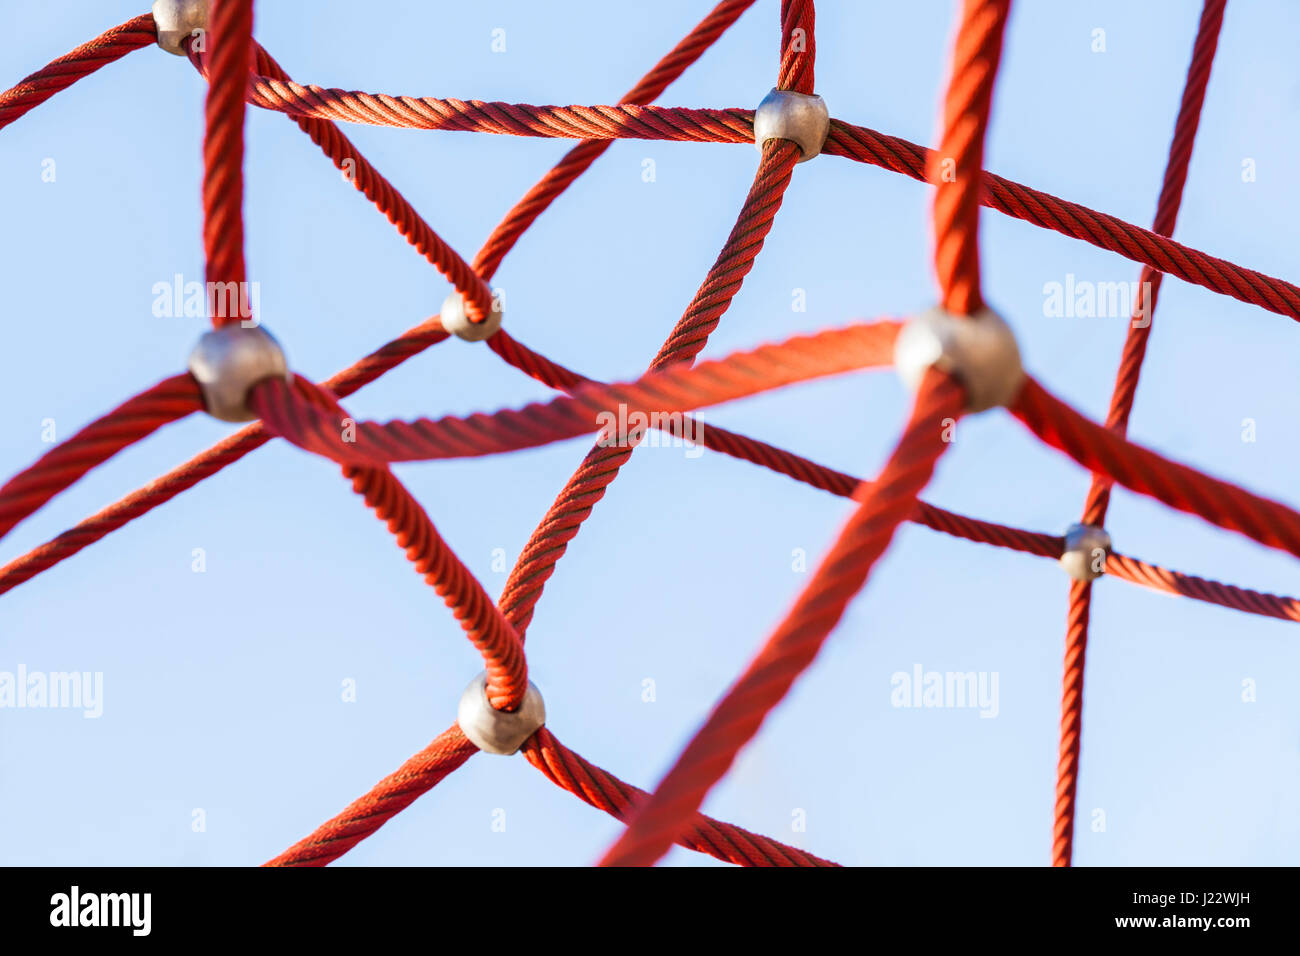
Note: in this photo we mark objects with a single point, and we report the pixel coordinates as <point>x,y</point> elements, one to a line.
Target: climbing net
<point>959,358</point>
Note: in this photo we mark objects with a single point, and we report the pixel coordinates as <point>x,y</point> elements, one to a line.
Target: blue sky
<point>222,689</point>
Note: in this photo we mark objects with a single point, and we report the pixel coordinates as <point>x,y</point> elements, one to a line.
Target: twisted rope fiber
<point>674,390</point>
<point>1039,411</point>
<point>1188,585</point>
<point>168,401</point>
<point>1121,407</point>
<point>1076,652</point>
<point>1078,222</point>
<point>782,461</point>
<point>86,59</point>
<point>687,339</point>
<point>231,36</point>
<point>563,767</point>
<point>798,46</point>
<point>390,796</point>
<point>487,630</point>
<point>961,142</point>
<point>231,30</point>
<point>1142,470</point>
<point>701,833</point>
<point>572,506</point>
<point>796,641</point>
<point>623,121</point>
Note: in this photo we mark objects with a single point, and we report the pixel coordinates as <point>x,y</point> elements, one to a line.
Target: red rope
<point>86,59</point>
<point>736,126</point>
<point>230,36</point>
<point>666,388</point>
<point>487,630</point>
<point>955,167</point>
<point>1139,469</point>
<point>613,408</point>
<point>169,400</point>
<point>372,184</point>
<point>1131,569</point>
<point>1079,222</point>
<point>687,338</point>
<point>796,641</point>
<point>390,796</point>
<point>798,46</point>
<point>562,766</point>
<point>1121,406</point>
<point>603,790</point>
<point>525,212</point>
<point>418,232</point>
<point>549,541</point>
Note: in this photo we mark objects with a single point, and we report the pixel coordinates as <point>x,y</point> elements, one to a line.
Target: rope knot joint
<point>1086,548</point>
<point>498,731</point>
<point>801,118</point>
<point>228,361</point>
<point>980,351</point>
<point>457,321</point>
<point>177,20</point>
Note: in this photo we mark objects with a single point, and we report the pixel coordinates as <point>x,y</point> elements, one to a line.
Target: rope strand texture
<point>487,630</point>
<point>231,35</point>
<point>613,410</point>
<point>168,401</point>
<point>798,46</point>
<point>59,74</point>
<point>955,167</point>
<point>1142,470</point>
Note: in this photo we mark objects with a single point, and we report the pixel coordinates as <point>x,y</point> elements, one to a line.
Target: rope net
<point>308,414</point>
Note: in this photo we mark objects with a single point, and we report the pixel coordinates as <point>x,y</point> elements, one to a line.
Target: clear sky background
<point>222,690</point>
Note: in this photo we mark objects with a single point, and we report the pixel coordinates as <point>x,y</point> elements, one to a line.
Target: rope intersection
<point>240,72</point>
